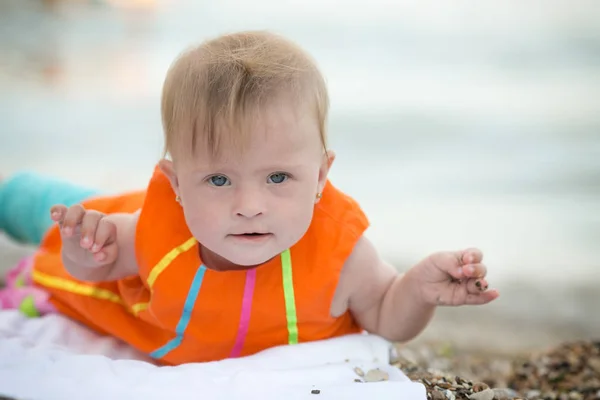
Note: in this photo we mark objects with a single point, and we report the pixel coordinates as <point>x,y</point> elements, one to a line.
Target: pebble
<point>485,394</point>
<point>504,394</point>
<point>594,363</point>
<point>449,395</point>
<point>438,396</point>
<point>480,386</point>
<point>376,375</point>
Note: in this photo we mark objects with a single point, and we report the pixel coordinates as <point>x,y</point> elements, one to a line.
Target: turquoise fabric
<point>25,202</point>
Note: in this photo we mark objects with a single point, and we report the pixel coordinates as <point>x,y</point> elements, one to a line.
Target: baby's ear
<point>328,159</point>
<point>166,166</point>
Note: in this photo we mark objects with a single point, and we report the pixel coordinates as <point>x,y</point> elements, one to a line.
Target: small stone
<point>594,363</point>
<point>359,372</point>
<point>575,396</point>
<point>480,386</point>
<point>435,395</point>
<point>376,375</point>
<point>315,391</point>
<point>449,395</point>
<point>505,394</point>
<point>486,394</point>
<point>358,380</point>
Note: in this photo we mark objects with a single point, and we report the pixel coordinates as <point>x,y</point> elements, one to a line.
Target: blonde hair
<point>211,90</point>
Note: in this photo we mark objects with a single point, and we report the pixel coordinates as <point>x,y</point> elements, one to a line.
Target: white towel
<point>54,358</point>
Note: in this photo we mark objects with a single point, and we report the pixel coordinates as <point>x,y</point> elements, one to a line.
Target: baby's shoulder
<point>338,208</point>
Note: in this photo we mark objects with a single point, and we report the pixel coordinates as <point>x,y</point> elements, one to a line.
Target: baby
<point>240,242</point>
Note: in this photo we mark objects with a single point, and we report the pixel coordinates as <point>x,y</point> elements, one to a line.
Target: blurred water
<point>456,124</point>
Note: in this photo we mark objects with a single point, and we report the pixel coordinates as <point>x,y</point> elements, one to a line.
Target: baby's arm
<point>97,247</point>
<point>382,301</point>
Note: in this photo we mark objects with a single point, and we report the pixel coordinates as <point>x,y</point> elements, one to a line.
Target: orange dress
<point>178,311</point>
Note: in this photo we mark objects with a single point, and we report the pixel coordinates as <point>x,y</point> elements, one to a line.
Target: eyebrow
<point>281,167</point>
<point>224,168</point>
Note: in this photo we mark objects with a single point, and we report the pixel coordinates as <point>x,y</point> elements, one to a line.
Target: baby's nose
<point>249,204</point>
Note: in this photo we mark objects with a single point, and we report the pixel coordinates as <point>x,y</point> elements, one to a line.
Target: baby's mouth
<point>251,234</point>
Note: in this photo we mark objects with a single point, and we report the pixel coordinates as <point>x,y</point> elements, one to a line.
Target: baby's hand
<point>453,279</point>
<point>88,238</point>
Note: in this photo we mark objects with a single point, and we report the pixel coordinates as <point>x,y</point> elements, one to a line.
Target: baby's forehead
<point>277,148</point>
<point>273,134</point>
<point>279,131</point>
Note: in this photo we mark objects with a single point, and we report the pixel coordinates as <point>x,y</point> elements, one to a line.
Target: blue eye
<point>219,180</point>
<point>279,177</point>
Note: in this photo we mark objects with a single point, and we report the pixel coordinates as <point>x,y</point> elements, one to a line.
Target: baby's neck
<point>212,260</point>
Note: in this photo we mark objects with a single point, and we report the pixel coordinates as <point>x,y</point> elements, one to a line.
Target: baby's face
<point>249,207</point>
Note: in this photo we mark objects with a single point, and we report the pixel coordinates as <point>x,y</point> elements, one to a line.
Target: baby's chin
<point>250,260</point>
<point>237,259</point>
<point>251,250</point>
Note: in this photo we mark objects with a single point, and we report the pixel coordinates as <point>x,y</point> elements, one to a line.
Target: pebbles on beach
<point>448,387</point>
<point>570,371</point>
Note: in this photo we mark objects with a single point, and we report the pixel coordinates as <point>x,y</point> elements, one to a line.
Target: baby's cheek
<point>297,221</point>
<point>199,220</point>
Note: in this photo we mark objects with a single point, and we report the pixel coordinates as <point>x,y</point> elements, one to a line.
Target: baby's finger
<point>106,234</point>
<point>475,270</point>
<point>107,254</point>
<point>57,213</point>
<point>482,298</point>
<point>72,219</point>
<point>470,256</point>
<point>475,286</point>
<point>89,224</point>
<point>447,261</point>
